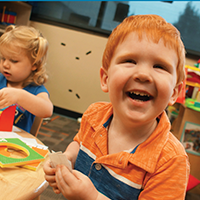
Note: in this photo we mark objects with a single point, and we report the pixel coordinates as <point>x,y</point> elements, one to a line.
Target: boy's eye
<point>158,66</point>
<point>130,61</point>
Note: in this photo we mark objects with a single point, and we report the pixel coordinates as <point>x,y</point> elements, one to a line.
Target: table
<point>20,183</point>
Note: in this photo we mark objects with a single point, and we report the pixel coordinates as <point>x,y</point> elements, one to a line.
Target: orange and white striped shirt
<point>158,168</point>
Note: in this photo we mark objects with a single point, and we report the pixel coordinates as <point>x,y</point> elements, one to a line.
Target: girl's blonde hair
<point>155,28</point>
<point>36,46</point>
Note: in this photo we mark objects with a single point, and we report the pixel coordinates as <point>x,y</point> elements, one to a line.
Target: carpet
<point>56,133</point>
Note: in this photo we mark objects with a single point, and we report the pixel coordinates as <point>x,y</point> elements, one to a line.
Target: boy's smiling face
<point>141,79</point>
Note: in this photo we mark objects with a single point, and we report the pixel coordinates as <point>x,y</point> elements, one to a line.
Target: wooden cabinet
<point>22,9</point>
<point>186,115</point>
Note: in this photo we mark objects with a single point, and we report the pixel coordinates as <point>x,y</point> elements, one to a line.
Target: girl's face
<point>141,80</point>
<point>16,67</point>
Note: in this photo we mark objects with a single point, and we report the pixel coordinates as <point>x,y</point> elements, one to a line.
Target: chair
<point>36,126</point>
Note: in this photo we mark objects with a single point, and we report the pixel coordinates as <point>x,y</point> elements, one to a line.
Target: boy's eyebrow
<point>125,55</point>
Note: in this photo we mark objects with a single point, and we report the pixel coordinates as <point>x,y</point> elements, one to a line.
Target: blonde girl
<point>23,52</point>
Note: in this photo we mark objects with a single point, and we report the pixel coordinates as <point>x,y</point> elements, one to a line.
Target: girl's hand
<point>8,96</point>
<point>50,176</point>
<point>39,105</point>
<point>75,185</point>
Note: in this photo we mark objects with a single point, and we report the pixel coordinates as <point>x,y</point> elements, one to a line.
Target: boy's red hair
<point>155,28</point>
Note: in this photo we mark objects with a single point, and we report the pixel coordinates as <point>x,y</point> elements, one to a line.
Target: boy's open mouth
<point>140,96</point>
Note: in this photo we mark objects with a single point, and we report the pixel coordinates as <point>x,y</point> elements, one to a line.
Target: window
<point>104,16</point>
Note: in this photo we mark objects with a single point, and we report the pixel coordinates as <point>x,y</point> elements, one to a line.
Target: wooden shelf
<point>22,9</point>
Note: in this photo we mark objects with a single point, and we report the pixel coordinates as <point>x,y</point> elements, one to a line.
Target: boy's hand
<point>50,176</point>
<point>58,158</point>
<point>74,185</point>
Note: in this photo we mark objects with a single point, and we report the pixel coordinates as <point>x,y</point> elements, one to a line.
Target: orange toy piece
<point>3,151</point>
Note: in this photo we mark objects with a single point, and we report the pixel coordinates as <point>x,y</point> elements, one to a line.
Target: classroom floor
<point>57,132</point>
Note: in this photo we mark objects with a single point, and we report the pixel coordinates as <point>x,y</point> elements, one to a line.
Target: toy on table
<point>6,160</point>
<point>34,166</point>
<point>7,116</point>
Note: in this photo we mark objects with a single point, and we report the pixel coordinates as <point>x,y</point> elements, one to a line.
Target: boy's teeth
<point>139,93</point>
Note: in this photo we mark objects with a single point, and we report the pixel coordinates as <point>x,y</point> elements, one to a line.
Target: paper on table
<point>5,134</point>
<point>29,141</point>
<point>15,129</point>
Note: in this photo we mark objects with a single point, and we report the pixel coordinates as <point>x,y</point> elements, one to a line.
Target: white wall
<point>68,73</point>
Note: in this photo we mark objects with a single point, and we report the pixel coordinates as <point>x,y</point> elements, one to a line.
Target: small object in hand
<point>58,158</point>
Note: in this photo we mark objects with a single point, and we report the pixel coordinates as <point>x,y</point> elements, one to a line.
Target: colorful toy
<point>197,64</point>
<point>193,104</point>
<point>7,116</point>
<point>6,160</point>
<point>7,17</point>
<point>34,166</point>
<point>192,81</point>
<point>192,182</point>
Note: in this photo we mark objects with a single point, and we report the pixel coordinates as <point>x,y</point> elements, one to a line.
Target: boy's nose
<point>142,74</point>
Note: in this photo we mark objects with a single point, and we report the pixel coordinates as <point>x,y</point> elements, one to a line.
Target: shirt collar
<point>146,155</point>
<point>148,152</point>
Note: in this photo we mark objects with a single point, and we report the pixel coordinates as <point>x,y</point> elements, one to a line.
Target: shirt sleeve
<point>36,89</point>
<point>169,182</point>
<point>79,135</point>
<point>84,127</point>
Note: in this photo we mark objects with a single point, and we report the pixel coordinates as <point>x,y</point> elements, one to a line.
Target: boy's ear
<point>104,79</point>
<point>175,94</point>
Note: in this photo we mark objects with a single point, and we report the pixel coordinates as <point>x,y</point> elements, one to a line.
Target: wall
<point>73,65</point>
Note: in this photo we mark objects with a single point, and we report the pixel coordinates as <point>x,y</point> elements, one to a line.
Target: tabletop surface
<point>18,183</point>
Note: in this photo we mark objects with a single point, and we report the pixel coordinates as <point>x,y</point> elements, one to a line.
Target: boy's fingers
<point>67,175</point>
<point>50,178</point>
<point>78,174</point>
<point>64,177</point>
<point>48,169</point>
<point>53,184</point>
<point>56,190</point>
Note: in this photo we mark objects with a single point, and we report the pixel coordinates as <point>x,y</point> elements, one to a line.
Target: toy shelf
<point>192,68</point>
<point>22,9</point>
<point>193,84</point>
